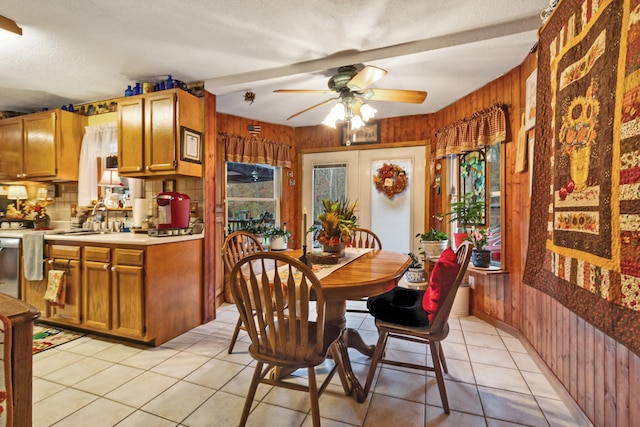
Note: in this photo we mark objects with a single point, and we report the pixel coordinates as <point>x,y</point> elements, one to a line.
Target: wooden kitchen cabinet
<point>41,146</point>
<point>150,130</point>
<point>97,288</point>
<point>145,293</point>
<point>128,292</point>
<point>67,259</point>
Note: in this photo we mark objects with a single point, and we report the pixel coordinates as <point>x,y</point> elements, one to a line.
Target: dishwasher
<point>10,267</point>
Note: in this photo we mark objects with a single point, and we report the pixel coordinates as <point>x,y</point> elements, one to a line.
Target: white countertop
<point>117,238</point>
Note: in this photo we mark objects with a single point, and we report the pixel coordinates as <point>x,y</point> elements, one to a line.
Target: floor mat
<point>46,337</point>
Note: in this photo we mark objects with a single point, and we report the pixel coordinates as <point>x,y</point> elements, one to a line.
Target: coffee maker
<point>173,211</point>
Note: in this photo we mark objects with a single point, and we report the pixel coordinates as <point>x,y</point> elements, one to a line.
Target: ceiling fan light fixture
<point>336,114</point>
<point>367,112</point>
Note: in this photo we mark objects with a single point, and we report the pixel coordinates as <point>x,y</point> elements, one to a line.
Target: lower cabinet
<point>67,259</point>
<point>146,294</point>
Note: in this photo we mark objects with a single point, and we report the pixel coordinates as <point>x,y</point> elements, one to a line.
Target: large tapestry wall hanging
<point>584,247</point>
<point>390,180</point>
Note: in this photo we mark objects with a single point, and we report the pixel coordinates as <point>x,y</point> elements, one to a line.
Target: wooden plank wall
<point>601,375</point>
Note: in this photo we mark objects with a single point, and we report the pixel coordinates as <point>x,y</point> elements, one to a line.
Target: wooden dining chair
<point>432,335</point>
<point>273,294</point>
<point>236,246</point>
<point>363,238</point>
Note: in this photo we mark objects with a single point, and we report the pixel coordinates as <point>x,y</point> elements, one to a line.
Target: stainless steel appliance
<point>10,266</point>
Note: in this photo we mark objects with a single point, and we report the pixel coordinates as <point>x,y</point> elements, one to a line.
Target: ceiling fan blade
<point>303,91</point>
<point>367,76</point>
<point>312,107</point>
<point>395,95</point>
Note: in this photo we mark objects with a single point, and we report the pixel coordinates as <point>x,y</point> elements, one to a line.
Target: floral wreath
<point>391,180</point>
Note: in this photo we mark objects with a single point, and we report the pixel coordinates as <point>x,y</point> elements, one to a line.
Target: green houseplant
<point>335,224</point>
<point>415,272</point>
<point>278,237</point>
<point>433,243</point>
<point>466,212</point>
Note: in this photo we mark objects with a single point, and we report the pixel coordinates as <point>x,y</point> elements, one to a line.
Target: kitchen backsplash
<point>60,210</point>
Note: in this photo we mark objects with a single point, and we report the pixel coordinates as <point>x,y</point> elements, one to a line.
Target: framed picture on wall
<point>367,134</point>
<point>190,145</point>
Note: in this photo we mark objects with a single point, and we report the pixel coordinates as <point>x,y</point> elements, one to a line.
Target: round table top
<point>373,273</point>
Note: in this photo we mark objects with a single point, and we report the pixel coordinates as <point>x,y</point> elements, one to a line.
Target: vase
<point>434,248</point>
<point>415,275</point>
<point>41,221</point>
<point>481,258</point>
<point>336,249</point>
<point>278,243</point>
<point>579,167</point>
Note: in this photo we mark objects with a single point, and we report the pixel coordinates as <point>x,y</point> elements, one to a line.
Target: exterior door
<point>395,220</point>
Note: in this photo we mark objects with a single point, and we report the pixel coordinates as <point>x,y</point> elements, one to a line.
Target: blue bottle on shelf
<point>138,89</point>
<point>129,91</point>
<point>169,82</point>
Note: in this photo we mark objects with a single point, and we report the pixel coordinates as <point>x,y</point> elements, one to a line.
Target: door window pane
<point>329,182</point>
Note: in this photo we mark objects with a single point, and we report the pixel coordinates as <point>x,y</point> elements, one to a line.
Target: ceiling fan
<point>352,87</point>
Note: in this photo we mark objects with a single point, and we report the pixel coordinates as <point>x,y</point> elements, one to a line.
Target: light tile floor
<point>193,381</point>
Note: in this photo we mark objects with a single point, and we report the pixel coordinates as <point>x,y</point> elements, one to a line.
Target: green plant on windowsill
<point>468,211</point>
<point>272,232</point>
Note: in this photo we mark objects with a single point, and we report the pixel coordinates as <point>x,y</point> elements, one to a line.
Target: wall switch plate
<point>472,282</point>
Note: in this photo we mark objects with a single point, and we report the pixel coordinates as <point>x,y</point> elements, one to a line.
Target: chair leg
<point>313,397</point>
<point>236,331</point>
<point>435,355</point>
<point>255,380</point>
<point>377,356</point>
<point>443,360</point>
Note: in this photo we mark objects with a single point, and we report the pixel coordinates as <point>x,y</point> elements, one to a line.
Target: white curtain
<point>98,141</point>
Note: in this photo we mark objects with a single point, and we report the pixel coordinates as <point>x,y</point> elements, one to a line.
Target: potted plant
<point>278,237</point>
<point>433,243</point>
<point>335,225</point>
<point>480,257</point>
<point>467,212</point>
<point>415,272</point>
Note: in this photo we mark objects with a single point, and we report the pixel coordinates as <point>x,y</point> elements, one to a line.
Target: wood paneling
<point>600,374</point>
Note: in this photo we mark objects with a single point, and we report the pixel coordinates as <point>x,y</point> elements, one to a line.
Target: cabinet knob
<point>139,168</point>
<point>147,168</point>
<point>113,268</point>
<point>50,261</point>
<point>106,266</point>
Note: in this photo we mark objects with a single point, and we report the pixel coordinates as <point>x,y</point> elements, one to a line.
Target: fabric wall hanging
<point>584,247</point>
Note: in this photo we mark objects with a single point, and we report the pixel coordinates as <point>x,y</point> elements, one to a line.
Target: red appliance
<point>173,210</point>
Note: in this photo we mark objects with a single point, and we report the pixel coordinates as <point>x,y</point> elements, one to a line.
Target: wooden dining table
<point>373,273</point>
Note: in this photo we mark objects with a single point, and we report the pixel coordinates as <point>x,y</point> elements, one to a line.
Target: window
<point>329,182</point>
<point>253,194</point>
<point>479,175</point>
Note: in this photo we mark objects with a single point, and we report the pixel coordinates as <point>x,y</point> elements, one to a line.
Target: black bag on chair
<point>400,305</point>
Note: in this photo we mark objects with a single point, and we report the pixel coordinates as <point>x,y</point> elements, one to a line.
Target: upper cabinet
<point>151,134</point>
<point>41,146</point>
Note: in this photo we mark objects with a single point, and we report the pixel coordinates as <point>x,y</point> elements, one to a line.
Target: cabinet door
<point>11,141</point>
<point>128,300</point>
<point>70,312</point>
<point>131,136</point>
<point>33,292</point>
<point>96,295</point>
<point>160,133</point>
<point>40,145</point>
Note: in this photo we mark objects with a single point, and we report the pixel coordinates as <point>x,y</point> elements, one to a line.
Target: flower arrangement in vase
<point>479,238</point>
<point>278,237</point>
<point>335,225</point>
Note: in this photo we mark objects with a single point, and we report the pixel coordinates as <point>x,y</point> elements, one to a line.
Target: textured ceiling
<point>80,51</point>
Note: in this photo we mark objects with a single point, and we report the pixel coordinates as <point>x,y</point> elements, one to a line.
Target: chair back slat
<point>463,254</point>
<point>365,238</point>
<point>237,245</point>
<point>278,289</point>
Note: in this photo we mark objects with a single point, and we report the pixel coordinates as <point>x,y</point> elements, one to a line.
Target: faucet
<point>103,208</point>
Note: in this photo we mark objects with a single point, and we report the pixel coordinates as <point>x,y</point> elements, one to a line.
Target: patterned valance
<point>254,150</point>
<point>485,127</point>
